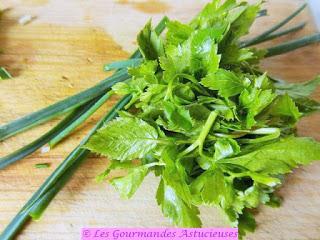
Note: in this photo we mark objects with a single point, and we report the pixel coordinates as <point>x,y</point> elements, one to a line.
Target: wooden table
<point>61,53</point>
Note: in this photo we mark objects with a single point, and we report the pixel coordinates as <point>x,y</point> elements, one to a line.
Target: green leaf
<point>275,201</point>
<point>279,157</point>
<point>177,33</point>
<point>174,174</point>
<point>199,112</point>
<point>247,15</point>
<point>212,13</point>
<point>264,179</point>
<point>145,71</point>
<point>247,223</point>
<point>122,88</point>
<point>124,139</point>
<point>298,90</point>
<point>150,43</point>
<point>214,188</point>
<point>153,94</point>
<point>173,207</point>
<point>114,165</point>
<point>204,50</point>
<point>178,116</point>
<point>183,94</point>
<point>284,106</point>
<point>169,69</point>
<point>254,102</point>
<point>226,82</point>
<point>129,184</point>
<point>225,147</point>
<point>307,105</point>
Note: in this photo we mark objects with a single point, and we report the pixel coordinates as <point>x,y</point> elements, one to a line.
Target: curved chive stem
<point>41,199</point>
<point>69,129</point>
<point>60,107</point>
<point>276,27</point>
<point>44,139</point>
<point>123,64</point>
<point>293,45</point>
<point>276,35</point>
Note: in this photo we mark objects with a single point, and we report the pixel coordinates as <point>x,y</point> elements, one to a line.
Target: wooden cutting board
<point>61,53</point>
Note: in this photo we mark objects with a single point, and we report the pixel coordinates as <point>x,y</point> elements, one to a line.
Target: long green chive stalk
<point>69,103</point>
<point>276,27</point>
<point>80,120</point>
<point>272,36</point>
<point>123,64</point>
<point>293,45</point>
<point>38,143</point>
<point>41,199</point>
<point>67,126</point>
<point>61,107</point>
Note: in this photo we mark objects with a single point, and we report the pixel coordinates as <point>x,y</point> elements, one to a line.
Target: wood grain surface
<point>61,53</point>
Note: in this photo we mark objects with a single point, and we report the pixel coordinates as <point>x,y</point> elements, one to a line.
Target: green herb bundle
<point>205,120</point>
<point>197,111</point>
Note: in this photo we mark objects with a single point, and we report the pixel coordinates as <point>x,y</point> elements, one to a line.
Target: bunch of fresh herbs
<point>197,111</point>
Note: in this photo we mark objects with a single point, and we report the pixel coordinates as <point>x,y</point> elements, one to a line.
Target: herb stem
<point>275,35</point>
<point>293,45</point>
<point>41,141</point>
<point>40,199</point>
<point>206,129</point>
<point>202,137</point>
<point>60,107</point>
<point>54,183</point>
<point>70,103</point>
<point>276,27</point>
<point>69,129</point>
<point>133,62</point>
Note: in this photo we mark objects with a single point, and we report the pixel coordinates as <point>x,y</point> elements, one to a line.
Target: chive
<point>276,35</point>
<point>38,143</point>
<point>75,120</point>
<point>293,45</point>
<point>276,27</point>
<point>65,132</point>
<point>262,13</point>
<point>4,74</point>
<point>60,107</point>
<point>69,103</point>
<point>123,64</point>
<point>42,165</point>
<point>54,183</point>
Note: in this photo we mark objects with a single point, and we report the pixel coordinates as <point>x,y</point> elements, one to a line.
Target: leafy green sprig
<point>202,118</point>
